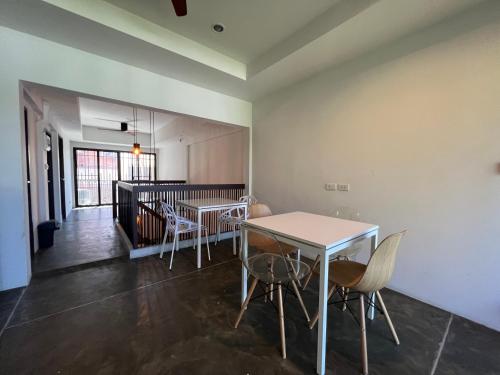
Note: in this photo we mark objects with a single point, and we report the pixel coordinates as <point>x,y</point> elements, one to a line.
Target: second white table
<point>208,205</point>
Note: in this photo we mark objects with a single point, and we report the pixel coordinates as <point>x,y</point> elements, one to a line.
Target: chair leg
<point>217,235</point>
<point>194,240</point>
<point>364,351</point>
<point>308,278</point>
<point>301,301</point>
<point>316,316</point>
<point>345,295</point>
<point>387,318</point>
<point>173,251</point>
<point>282,321</point>
<point>208,247</point>
<point>245,304</point>
<point>163,244</point>
<point>234,240</point>
<point>293,268</point>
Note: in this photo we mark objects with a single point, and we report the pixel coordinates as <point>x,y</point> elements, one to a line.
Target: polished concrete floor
<point>137,317</point>
<point>87,235</point>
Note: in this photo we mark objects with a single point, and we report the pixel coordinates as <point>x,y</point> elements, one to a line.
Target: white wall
<point>220,160</point>
<point>415,129</point>
<point>33,59</point>
<point>172,161</point>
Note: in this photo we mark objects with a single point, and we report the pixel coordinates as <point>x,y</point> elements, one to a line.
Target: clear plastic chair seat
<point>274,268</point>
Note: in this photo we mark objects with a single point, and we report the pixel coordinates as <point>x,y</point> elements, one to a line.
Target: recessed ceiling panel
<point>251,27</point>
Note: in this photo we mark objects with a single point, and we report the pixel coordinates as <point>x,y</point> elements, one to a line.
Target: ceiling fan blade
<point>109,130</point>
<point>180,7</point>
<point>105,119</point>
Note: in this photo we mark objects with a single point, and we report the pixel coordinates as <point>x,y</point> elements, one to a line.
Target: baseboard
<point>152,250</point>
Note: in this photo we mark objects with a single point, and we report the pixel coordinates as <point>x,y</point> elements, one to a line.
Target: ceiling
<point>267,44</point>
<point>252,27</point>
<point>108,115</point>
<point>97,120</point>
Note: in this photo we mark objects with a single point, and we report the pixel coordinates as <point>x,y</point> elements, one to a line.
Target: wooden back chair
<point>370,278</point>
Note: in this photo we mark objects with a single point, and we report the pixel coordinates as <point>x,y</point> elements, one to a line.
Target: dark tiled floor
<point>136,317</point>
<point>88,235</point>
<point>8,300</point>
<point>470,349</point>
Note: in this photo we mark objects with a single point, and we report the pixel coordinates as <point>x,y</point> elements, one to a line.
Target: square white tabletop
<point>316,230</point>
<point>206,203</point>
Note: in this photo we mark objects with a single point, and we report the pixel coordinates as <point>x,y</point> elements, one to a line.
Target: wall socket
<point>343,187</point>
<point>330,187</point>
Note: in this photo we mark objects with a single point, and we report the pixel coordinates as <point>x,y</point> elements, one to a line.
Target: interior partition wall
<point>95,170</point>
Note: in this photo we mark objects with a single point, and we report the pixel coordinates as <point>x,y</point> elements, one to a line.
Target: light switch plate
<point>330,186</point>
<point>343,187</point>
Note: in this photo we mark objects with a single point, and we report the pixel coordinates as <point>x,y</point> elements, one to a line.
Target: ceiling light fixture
<point>136,149</point>
<point>218,27</point>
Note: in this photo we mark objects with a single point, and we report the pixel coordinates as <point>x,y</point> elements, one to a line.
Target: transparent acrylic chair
<point>346,213</point>
<point>233,218</point>
<point>178,225</point>
<point>272,269</point>
<point>366,280</point>
<point>268,245</point>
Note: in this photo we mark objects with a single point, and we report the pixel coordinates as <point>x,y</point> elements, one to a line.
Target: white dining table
<point>314,235</point>
<point>203,205</point>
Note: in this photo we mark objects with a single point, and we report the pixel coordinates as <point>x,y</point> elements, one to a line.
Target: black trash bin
<point>46,233</point>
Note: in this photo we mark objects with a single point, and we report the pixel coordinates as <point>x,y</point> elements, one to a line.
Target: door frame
<point>50,178</point>
<point>28,184</point>
<point>62,184</point>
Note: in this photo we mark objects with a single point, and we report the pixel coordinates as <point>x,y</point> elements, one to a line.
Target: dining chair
<point>178,225</point>
<point>273,269</point>
<point>366,280</point>
<point>346,213</point>
<point>233,218</point>
<point>264,243</point>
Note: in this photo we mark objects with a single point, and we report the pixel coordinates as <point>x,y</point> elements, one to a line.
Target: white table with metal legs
<point>207,205</point>
<point>314,235</point>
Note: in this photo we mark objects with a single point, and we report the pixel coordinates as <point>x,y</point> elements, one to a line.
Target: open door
<point>62,186</point>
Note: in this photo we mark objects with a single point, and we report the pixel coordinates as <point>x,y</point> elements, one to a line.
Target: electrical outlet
<point>330,187</point>
<point>343,187</point>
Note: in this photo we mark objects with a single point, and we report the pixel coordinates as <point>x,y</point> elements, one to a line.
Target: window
<point>95,170</point>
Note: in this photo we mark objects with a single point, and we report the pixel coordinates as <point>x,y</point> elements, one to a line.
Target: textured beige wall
<point>415,129</point>
<point>220,160</point>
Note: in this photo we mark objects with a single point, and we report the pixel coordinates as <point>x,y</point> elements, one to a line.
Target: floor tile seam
<point>6,325</point>
<point>441,346</point>
<point>112,296</point>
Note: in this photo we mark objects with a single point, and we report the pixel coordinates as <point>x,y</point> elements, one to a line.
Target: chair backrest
<point>270,255</point>
<point>249,199</point>
<point>347,213</point>
<point>170,215</point>
<point>381,264</point>
<point>258,210</point>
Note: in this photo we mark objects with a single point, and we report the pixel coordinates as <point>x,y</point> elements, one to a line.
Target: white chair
<point>233,218</point>
<point>178,225</point>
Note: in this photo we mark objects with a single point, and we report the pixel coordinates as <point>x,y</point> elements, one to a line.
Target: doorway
<point>62,187</point>
<point>50,176</point>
